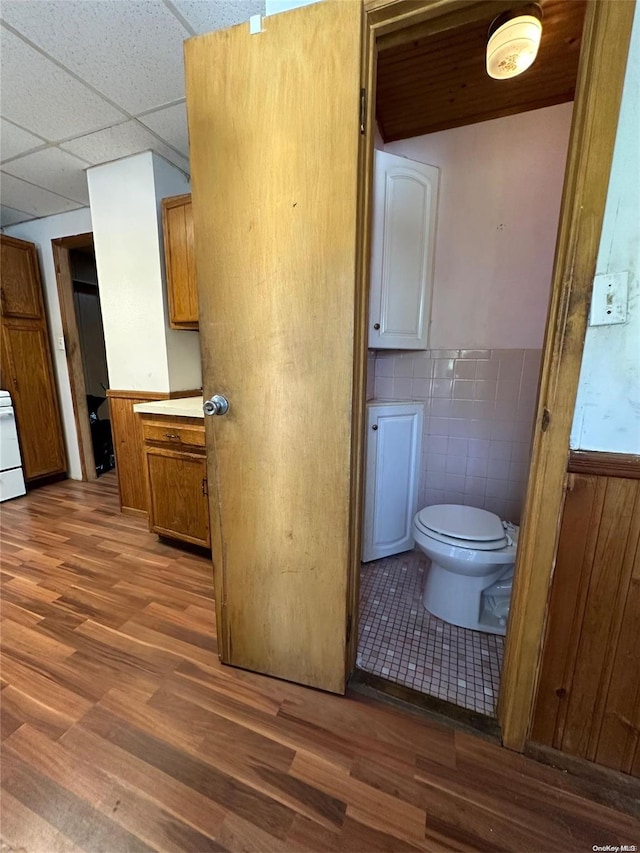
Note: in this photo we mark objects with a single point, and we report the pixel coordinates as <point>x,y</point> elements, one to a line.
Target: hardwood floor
<point>122,731</point>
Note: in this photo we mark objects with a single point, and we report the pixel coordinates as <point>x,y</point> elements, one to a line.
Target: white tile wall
<point>479,411</point>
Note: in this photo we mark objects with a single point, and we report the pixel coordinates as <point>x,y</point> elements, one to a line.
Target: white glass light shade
<point>513,47</point>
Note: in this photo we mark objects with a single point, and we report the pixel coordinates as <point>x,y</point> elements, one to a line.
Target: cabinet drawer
<point>173,434</point>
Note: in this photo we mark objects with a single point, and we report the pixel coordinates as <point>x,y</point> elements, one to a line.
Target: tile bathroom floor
<point>400,641</point>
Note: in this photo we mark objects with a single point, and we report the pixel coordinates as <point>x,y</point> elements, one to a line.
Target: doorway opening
<point>79,293</point>
<point>426,627</point>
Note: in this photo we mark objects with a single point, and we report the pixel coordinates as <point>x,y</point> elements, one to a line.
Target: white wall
<point>128,246</point>
<point>183,346</point>
<point>500,190</point>
<point>273,7</point>
<point>42,232</point>
<point>607,415</point>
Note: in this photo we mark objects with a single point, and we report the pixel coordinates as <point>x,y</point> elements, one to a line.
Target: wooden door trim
<point>597,104</point>
<point>596,109</point>
<point>61,248</point>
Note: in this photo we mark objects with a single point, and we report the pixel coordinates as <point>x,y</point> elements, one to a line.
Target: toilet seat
<point>462,526</point>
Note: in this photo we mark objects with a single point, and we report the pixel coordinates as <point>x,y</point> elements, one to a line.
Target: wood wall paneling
<point>588,702</point>
<point>128,446</point>
<point>128,443</point>
<point>26,367</point>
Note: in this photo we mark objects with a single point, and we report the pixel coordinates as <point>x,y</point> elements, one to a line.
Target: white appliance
<point>11,476</point>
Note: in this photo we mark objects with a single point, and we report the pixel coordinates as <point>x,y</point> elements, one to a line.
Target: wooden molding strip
<point>192,392</point>
<point>138,396</point>
<point>601,464</point>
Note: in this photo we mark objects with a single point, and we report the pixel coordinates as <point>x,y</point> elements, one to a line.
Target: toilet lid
<point>463,522</point>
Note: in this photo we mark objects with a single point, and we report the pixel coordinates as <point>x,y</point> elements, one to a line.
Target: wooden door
<point>405,205</point>
<point>27,370</point>
<point>274,124</point>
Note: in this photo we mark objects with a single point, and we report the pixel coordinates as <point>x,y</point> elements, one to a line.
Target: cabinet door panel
<point>394,435</point>
<point>27,367</point>
<point>178,495</point>
<point>403,240</point>
<point>21,292</point>
<point>182,285</point>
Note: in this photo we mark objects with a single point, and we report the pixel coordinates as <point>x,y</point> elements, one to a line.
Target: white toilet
<point>470,549</point>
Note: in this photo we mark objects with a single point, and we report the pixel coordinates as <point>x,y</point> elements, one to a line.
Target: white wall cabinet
<point>405,200</point>
<point>394,439</point>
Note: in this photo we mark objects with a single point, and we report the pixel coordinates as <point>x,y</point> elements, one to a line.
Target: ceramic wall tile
<point>479,405</point>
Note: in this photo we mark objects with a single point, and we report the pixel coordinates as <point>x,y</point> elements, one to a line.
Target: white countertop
<point>180,407</point>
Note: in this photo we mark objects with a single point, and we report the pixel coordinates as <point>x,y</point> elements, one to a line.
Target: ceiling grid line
<point>86,82</point>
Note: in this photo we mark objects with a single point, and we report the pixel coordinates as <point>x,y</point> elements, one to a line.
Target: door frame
<point>61,248</point>
<point>599,85</point>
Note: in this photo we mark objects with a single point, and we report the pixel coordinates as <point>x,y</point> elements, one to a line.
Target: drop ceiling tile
<point>217,14</point>
<point>34,200</point>
<point>15,141</point>
<point>9,216</point>
<point>131,52</point>
<point>43,98</point>
<point>121,141</point>
<point>171,124</point>
<point>54,170</point>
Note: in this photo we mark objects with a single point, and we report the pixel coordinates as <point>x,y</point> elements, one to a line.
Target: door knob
<point>217,405</point>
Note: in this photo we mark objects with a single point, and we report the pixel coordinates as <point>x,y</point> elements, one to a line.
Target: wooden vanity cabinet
<point>182,284</point>
<point>176,468</point>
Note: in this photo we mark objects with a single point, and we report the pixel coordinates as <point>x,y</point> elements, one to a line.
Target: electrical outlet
<point>609,299</point>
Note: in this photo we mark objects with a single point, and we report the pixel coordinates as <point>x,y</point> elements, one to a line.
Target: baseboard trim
<point>131,510</point>
<point>604,785</point>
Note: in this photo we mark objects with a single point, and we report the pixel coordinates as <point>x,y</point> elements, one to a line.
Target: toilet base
<point>457,598</point>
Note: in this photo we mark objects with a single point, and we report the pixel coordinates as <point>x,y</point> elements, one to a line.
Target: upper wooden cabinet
<point>26,365</point>
<point>182,285</point>
<point>21,291</point>
<point>402,252</point>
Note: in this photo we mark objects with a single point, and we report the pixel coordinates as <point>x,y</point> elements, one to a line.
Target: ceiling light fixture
<point>514,38</point>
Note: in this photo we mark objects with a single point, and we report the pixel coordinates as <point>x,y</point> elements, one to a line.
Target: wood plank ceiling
<point>438,81</point>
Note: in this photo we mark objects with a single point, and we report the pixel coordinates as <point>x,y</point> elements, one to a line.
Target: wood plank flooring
<point>122,732</point>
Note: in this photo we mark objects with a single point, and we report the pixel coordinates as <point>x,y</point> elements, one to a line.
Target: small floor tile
<point>401,641</point>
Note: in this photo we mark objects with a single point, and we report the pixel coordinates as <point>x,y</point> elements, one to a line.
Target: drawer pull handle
<point>173,436</point>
